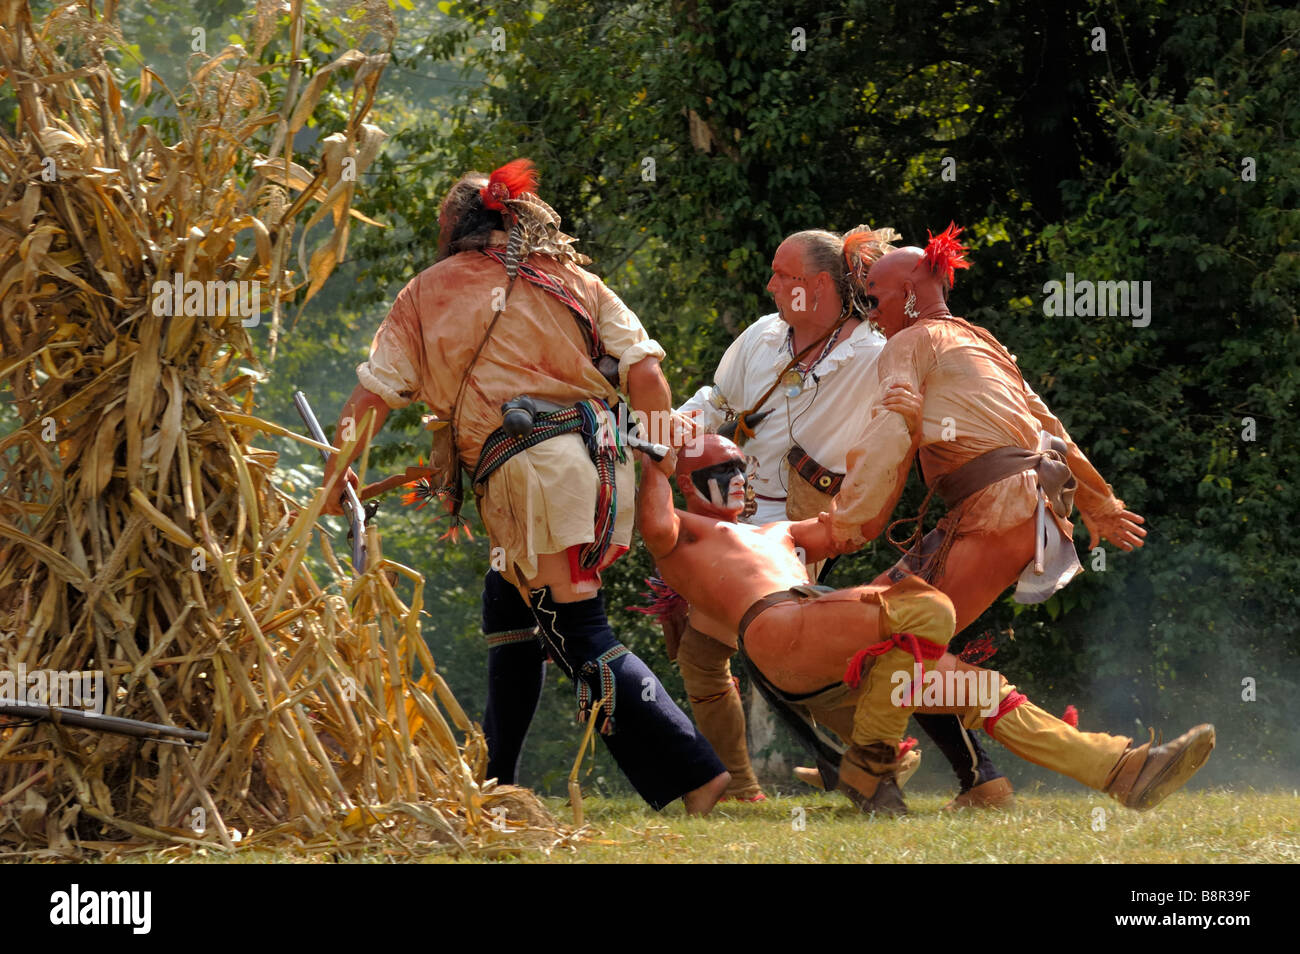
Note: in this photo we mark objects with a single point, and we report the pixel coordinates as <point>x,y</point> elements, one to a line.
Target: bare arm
<point>365,412</point>
<point>638,361</point>
<point>656,517</point>
<point>647,388</point>
<point>649,395</point>
<point>814,538</point>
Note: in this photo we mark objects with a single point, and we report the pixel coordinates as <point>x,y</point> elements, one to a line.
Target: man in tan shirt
<point>988,446</point>
<point>464,337</point>
<point>976,406</point>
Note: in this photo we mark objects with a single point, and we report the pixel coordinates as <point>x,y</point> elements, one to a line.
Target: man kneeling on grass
<point>835,652</point>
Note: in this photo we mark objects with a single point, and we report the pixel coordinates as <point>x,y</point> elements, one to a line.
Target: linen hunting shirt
<point>827,418</point>
<point>975,401</point>
<point>543,499</point>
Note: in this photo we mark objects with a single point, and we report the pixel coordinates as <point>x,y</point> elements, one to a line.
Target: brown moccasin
<point>1147,774</point>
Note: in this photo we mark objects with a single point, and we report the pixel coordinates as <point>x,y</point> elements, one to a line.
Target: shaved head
<point>901,278</point>
<point>898,264</point>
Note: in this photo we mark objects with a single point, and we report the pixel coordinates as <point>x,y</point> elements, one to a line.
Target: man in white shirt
<point>820,354</point>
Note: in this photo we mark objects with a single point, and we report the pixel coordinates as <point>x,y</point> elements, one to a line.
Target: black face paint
<point>723,473</point>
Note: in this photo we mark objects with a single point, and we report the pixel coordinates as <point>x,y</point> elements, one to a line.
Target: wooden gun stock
<point>397,480</point>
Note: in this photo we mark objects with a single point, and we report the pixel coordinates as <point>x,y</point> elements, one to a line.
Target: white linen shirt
<point>827,418</point>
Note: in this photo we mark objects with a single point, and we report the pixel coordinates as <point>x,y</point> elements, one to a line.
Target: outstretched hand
<point>1120,528</point>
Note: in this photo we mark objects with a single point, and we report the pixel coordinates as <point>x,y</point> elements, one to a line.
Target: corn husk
<point>141,531</point>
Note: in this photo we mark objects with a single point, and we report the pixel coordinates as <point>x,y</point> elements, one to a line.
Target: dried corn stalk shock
<point>141,533</point>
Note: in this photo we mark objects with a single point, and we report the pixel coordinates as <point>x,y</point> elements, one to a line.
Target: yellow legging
<point>912,606</point>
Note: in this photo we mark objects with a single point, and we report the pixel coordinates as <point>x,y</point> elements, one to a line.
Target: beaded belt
<point>603,445</point>
<point>500,446</point>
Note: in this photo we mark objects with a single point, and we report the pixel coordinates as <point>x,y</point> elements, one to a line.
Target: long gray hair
<point>846,259</point>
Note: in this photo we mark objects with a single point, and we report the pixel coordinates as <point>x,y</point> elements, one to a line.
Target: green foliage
<point>1193,416</point>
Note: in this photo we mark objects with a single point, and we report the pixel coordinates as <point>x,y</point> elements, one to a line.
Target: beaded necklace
<point>793,379</point>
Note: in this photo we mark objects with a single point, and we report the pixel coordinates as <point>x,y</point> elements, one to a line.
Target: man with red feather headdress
<point>508,320</point>
<point>988,445</point>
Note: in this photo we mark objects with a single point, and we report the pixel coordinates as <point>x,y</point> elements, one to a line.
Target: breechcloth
<point>655,745</point>
<point>927,556</point>
<point>605,448</point>
<point>705,665</point>
<point>793,708</point>
<point>516,672</point>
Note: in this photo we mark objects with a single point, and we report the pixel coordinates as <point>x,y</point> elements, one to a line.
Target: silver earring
<point>909,306</point>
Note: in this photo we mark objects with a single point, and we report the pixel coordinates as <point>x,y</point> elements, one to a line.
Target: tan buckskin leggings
<point>705,665</point>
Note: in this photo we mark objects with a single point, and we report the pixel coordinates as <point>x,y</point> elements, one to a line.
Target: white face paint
<point>734,498</point>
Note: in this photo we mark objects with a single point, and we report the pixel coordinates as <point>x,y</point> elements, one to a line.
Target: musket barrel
<point>100,723</point>
<point>350,500</point>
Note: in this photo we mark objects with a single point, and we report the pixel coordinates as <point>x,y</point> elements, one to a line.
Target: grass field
<point>1044,827</point>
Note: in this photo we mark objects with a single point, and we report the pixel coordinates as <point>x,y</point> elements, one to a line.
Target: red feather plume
<point>666,603</point>
<point>509,182</point>
<point>943,253</point>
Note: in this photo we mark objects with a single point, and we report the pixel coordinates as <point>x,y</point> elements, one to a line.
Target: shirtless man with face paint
<point>835,652</point>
